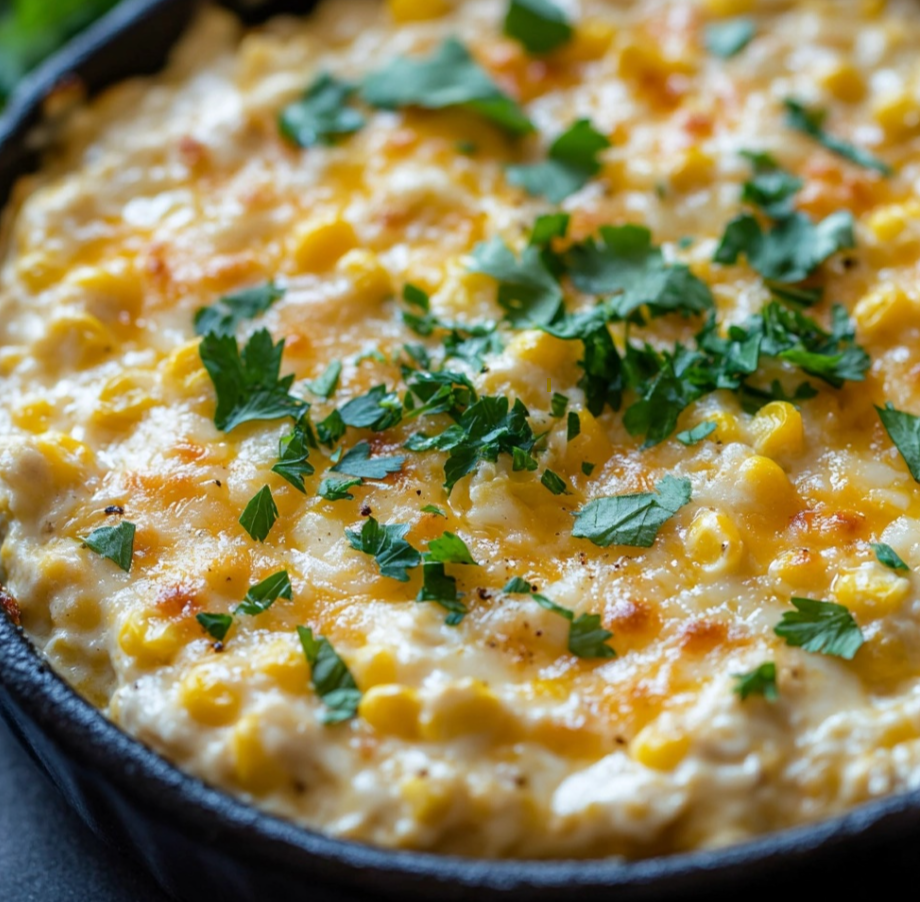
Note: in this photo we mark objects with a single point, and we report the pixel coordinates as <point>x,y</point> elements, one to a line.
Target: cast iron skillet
<point>202,844</point>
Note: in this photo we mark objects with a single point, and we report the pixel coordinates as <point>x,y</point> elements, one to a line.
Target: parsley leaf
<point>260,514</point>
<point>627,264</point>
<point>356,462</point>
<point>822,627</point>
<point>558,404</point>
<point>539,25</point>
<point>323,386</point>
<point>811,122</point>
<point>556,484</point>
<point>571,165</point>
<point>587,468</point>
<point>904,430</point>
<point>760,681</point>
<point>433,509</point>
<point>697,433</point>
<point>263,595</point>
<point>888,556</point>
<point>440,588</point>
<point>549,226</point>
<point>448,78</point>
<point>322,115</point>
<point>223,316</point>
<point>113,542</point>
<point>331,429</point>
<point>772,190</point>
<point>527,291</point>
<point>216,625</point>
<point>247,385</point>
<point>632,519</point>
<point>728,38</point>
<point>449,549</point>
<point>388,546</point>
<point>378,409</point>
<point>573,426</point>
<point>333,489</point>
<point>331,678</point>
<point>293,451</point>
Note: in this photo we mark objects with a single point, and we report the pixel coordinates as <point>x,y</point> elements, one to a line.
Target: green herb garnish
<point>388,546</point>
<point>324,385</point>
<point>260,514</point>
<point>225,315</point>
<point>888,556</point>
<point>357,462</point>
<point>697,433</point>
<point>113,542</point>
<point>556,484</point>
<point>822,627</point>
<point>263,595</point>
<point>728,38</point>
<point>216,625</point>
<point>322,115</point>
<point>760,681</point>
<point>333,489</point>
<point>539,25</point>
<point>293,451</point>
<point>331,678</point>
<point>904,430</point>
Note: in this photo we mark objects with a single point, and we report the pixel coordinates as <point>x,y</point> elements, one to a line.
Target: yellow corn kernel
<point>417,10</point>
<point>844,81</point>
<point>256,771</point>
<point>713,541</point>
<point>886,310</point>
<point>898,113</point>
<point>183,368</point>
<point>777,430</point>
<point>563,739</point>
<point>124,398</point>
<point>150,639</point>
<point>871,590</point>
<point>429,802</point>
<point>766,485</point>
<point>74,340</point>
<point>67,458</point>
<point>285,665</point>
<point>727,427</point>
<point>643,61</point>
<point>116,292</point>
<point>208,697</point>
<point>728,7</point>
<point>591,40</point>
<point>693,169</point>
<point>34,416</point>
<point>38,270</point>
<point>83,613</point>
<point>543,350</point>
<point>467,708</point>
<point>10,358</point>
<point>800,569</point>
<point>888,223</point>
<point>392,710</point>
<point>658,747</point>
<point>367,274</point>
<point>373,666</point>
<point>319,245</point>
<point>592,444</point>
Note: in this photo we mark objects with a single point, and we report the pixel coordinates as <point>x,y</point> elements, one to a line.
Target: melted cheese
<point>487,738</point>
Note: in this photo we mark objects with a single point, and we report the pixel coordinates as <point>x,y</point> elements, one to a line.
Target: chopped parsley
<point>263,595</point>
<point>449,549</point>
<point>357,462</point>
<point>821,626</point>
<point>216,625</point>
<point>441,589</point>
<point>248,385</point>
<point>572,162</point>
<point>260,514</point>
<point>728,38</point>
<point>573,426</point>
<point>324,385</point>
<point>587,468</point>
<point>225,315</point>
<point>333,489</point>
<point>388,546</point>
<point>433,509</point>
<point>556,484</point>
<point>378,409</point>
<point>322,115</point>
<point>558,404</point>
<point>450,77</point>
<point>810,121</point>
<point>113,542</point>
<point>772,189</point>
<point>888,556</point>
<point>539,25</point>
<point>904,430</point>
<point>632,519</point>
<point>760,681</point>
<point>331,678</point>
<point>293,451</point>
<point>697,433</point>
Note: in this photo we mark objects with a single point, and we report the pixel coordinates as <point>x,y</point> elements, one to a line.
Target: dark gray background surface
<point>46,854</point>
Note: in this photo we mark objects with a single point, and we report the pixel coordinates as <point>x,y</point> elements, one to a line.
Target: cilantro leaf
<point>322,115</point>
<point>811,122</point>
<point>433,509</point>
<point>378,409</point>
<point>627,264</point>
<point>822,627</point>
<point>632,519</point>
<point>449,549</point>
<point>440,588</point>
<point>772,190</point>
<point>356,462</point>
<point>333,489</point>
<point>260,514</point>
<point>223,316</point>
<point>888,556</point>
<point>216,625</point>
<point>558,404</point>
<point>263,595</point>
<point>904,430</point>
<point>113,542</point>
<point>697,433</point>
<point>571,165</point>
<point>549,226</point>
<point>587,468</point>
<point>388,546</point>
<point>323,386</point>
<point>760,681</point>
<point>293,451</point>
<point>331,678</point>
<point>331,429</point>
<point>539,25</point>
<point>527,291</point>
<point>248,385</point>
<point>728,38</point>
<point>448,78</point>
<point>556,484</point>
<point>573,426</point>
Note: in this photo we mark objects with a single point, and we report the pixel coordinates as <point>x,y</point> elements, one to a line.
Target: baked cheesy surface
<point>486,428</point>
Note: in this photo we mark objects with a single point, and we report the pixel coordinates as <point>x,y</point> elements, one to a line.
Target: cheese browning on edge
<point>509,731</point>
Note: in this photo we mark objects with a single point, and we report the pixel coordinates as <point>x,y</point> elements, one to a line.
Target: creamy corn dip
<point>464,429</point>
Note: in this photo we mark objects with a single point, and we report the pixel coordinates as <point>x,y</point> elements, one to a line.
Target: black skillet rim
<point>28,688</point>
